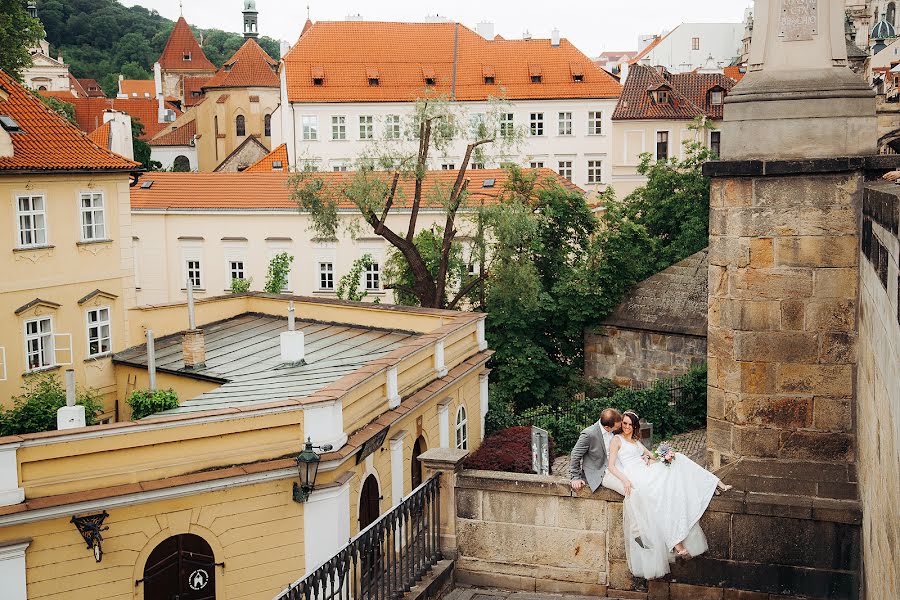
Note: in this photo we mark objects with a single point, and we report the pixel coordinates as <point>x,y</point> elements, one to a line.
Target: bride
<point>663,503</point>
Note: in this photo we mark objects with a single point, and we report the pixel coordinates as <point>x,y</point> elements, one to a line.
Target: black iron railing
<point>386,559</point>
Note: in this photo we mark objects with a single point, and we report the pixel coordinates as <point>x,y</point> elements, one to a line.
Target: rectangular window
<point>340,168</point>
<point>695,43</point>
<point>339,128</point>
<point>448,166</point>
<point>716,97</point>
<point>236,269</point>
<point>537,123</point>
<point>326,276</point>
<point>715,142</point>
<point>537,164</point>
<point>32,221</point>
<point>39,343</point>
<point>194,273</point>
<point>98,331</point>
<point>373,277</point>
<point>392,127</point>
<point>565,123</point>
<point>310,127</point>
<point>507,124</point>
<point>477,166</point>
<point>565,169</point>
<point>662,145</point>
<point>595,123</point>
<point>366,127</point>
<point>93,223</point>
<point>595,171</point>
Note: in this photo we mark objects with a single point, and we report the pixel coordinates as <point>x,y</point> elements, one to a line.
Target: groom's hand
<point>577,484</point>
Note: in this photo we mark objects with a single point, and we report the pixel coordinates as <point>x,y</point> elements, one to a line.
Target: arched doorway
<point>416,465</point>
<point>369,505</point>
<point>181,567</point>
<point>371,556</point>
<point>181,164</point>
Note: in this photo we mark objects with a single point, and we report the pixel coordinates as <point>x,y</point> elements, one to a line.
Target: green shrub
<point>499,416</point>
<point>239,285</point>
<point>35,409</point>
<point>145,402</point>
<point>277,276</point>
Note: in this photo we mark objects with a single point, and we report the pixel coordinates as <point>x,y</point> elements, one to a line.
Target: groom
<point>589,457</point>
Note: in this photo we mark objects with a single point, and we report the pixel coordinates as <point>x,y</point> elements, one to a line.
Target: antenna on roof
<point>180,9</point>
<point>307,11</point>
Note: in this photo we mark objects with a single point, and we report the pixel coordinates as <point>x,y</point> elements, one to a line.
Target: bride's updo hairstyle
<point>635,424</point>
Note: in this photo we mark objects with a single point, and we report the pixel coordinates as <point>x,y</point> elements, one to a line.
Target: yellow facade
<point>62,271</point>
<point>216,116</point>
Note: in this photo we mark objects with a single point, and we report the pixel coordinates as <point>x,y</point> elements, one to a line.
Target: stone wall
<point>628,356</point>
<point>878,390</point>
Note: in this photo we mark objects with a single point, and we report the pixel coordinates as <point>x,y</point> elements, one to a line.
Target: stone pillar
<point>449,464</point>
<point>783,260</point>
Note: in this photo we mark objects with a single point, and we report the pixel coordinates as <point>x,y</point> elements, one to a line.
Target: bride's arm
<point>613,455</point>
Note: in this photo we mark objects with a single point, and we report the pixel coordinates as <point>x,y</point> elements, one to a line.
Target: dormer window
<point>429,76</point>
<point>661,96</point>
<point>535,79</point>
<point>534,71</point>
<point>489,80</point>
<point>716,97</point>
<point>488,72</point>
<point>578,78</point>
<point>372,76</point>
<point>577,72</point>
<point>373,81</point>
<point>186,56</point>
<point>318,75</point>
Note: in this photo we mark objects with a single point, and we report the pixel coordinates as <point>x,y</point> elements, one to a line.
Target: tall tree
<point>18,33</point>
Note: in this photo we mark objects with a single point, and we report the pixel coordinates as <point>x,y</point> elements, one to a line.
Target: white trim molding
<point>326,524</point>
<point>10,492</point>
<point>443,409</point>
<point>323,423</point>
<point>393,392</point>
<point>397,471</point>
<point>12,570</point>
<point>483,396</point>
<point>439,365</point>
<point>482,338</point>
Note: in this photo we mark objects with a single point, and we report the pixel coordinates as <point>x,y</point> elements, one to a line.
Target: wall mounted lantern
<point>90,526</point>
<point>308,467</point>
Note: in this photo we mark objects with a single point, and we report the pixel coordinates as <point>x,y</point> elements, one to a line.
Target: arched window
<point>891,13</point>
<point>462,429</point>
<point>240,128</point>
<point>43,88</point>
<point>416,467</point>
<point>182,566</point>
<point>267,125</point>
<point>182,164</point>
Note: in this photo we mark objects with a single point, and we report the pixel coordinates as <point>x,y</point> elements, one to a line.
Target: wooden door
<point>416,466</point>
<point>181,567</point>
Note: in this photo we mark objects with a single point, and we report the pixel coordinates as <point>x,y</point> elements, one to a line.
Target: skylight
<point>9,124</point>
<point>147,184</point>
<point>489,183</point>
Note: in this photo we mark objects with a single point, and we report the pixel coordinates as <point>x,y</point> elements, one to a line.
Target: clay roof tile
<point>182,52</point>
<point>250,66</point>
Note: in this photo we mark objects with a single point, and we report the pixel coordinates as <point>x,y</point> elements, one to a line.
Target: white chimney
<point>292,350</point>
<point>526,35</point>
<point>485,29</point>
<point>554,38</point>
<point>71,415</point>
<point>120,138</point>
<point>356,17</point>
<point>161,105</point>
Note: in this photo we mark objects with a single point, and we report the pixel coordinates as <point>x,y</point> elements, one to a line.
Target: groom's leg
<point>611,482</point>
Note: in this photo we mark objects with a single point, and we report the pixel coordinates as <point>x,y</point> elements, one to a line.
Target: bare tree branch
<point>421,170</point>
<point>465,290</point>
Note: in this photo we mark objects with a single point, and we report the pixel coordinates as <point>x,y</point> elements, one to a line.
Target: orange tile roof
<point>689,94</point>
<point>75,85</point>
<point>736,72</point>
<point>138,88</point>
<point>48,142</point>
<point>180,136</point>
<point>250,66</point>
<point>91,88</point>
<point>58,94</point>
<point>400,52</point>
<point>640,55</point>
<point>173,191</point>
<point>193,89</point>
<point>265,164</point>
<point>89,112</point>
<point>182,41</point>
<point>100,136</point>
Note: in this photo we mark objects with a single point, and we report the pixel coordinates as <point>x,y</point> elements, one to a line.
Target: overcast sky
<point>594,26</point>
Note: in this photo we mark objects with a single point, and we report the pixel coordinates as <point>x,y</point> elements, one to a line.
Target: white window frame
<point>91,213</point>
<point>2,363</point>
<point>536,164</point>
<point>54,347</point>
<point>462,428</point>
<point>475,122</point>
<point>340,166</point>
<point>366,127</point>
<point>198,281</point>
<point>274,251</point>
<point>371,275</point>
<point>326,273</point>
<point>231,270</point>
<point>536,124</point>
<point>595,122</point>
<point>448,166</point>
<point>595,171</point>
<point>710,144</point>
<point>392,127</point>
<point>721,98</point>
<point>98,325</point>
<point>570,168</point>
<point>564,123</point>
<point>507,124</point>
<point>310,128</point>
<point>338,127</point>
<point>33,217</point>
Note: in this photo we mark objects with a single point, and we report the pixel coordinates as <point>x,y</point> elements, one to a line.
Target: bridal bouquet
<point>664,454</point>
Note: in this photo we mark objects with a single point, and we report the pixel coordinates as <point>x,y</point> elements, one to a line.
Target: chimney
<point>193,344</point>
<point>486,30</point>
<point>120,140</point>
<point>292,351</point>
<point>526,35</point>
<point>151,360</point>
<point>554,38</point>
<point>161,105</point>
<point>71,415</point>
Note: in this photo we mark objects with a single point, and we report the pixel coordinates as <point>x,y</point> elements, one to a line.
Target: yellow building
<point>66,252</point>
<point>200,499</point>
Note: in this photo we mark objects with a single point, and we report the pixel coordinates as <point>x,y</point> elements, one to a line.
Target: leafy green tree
<point>348,286</point>
<point>240,285</point>
<point>64,109</point>
<point>141,148</point>
<point>18,33</point>
<point>277,276</point>
<point>144,402</point>
<point>399,277</point>
<point>35,409</point>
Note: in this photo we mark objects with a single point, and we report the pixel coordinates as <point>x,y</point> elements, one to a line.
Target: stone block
<point>775,284</point>
<point>831,315</point>
<point>620,577</point>
<point>717,527</point>
<point>556,586</point>
<point>762,252</point>
<point>657,590</point>
<point>468,504</point>
<point>757,378</point>
<point>686,591</point>
<point>494,580</point>
<point>749,315</point>
<point>727,251</point>
<point>718,279</point>
<point>757,442</point>
<point>718,221</point>
<point>837,347</point>
<point>517,508</point>
<point>627,595</point>
<point>821,191</point>
<point>832,414</point>
<point>615,538</point>
<point>836,283</point>
<point>776,346</point>
<point>847,511</point>
<point>824,380</point>
<point>715,402</point>
<point>745,595</point>
<point>816,445</point>
<point>718,435</point>
<point>793,314</point>
<point>781,412</point>
<point>737,192</point>
<point>582,514</point>
<point>816,251</point>
<point>720,342</point>
<point>717,193</point>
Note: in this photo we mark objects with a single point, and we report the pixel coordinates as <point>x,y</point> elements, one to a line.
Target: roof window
<point>318,75</point>
<point>535,72</point>
<point>577,72</point>
<point>9,124</point>
<point>428,76</point>
<point>489,183</point>
<point>372,76</point>
<point>186,56</point>
<point>716,96</point>
<point>276,165</point>
<point>147,184</point>
<point>488,72</point>
<point>660,96</point>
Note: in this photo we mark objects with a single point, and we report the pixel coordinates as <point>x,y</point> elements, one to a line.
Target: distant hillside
<point>101,38</point>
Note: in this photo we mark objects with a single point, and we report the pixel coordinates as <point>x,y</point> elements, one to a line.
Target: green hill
<point>100,39</point>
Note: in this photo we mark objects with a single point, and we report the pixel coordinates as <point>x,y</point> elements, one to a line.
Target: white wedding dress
<point>663,509</point>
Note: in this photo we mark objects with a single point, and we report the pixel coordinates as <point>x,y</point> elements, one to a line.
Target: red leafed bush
<point>507,450</point>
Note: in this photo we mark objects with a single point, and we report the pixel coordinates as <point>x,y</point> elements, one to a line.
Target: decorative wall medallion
<point>799,20</point>
<point>198,579</point>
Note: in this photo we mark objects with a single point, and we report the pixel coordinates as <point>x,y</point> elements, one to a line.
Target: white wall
<point>676,53</point>
<point>166,155</point>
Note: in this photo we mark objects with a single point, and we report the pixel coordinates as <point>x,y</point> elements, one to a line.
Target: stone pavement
<point>468,593</point>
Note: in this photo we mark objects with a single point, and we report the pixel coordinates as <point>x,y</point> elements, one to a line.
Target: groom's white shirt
<point>610,481</point>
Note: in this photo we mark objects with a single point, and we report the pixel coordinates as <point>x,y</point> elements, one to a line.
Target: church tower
<point>250,27</point>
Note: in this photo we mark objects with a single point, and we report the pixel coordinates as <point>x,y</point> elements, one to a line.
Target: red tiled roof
<point>191,85</point>
<point>272,191</point>
<point>689,94</point>
<point>736,72</point>
<point>182,41</point>
<point>180,136</point>
<point>75,85</point>
<point>640,55</point>
<point>138,88</point>
<point>58,94</point>
<point>89,112</point>
<point>250,66</point>
<point>400,51</point>
<point>91,88</point>
<point>265,164</point>
<point>48,142</point>
<point>100,136</point>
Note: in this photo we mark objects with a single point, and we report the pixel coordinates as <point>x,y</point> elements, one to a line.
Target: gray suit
<point>588,459</point>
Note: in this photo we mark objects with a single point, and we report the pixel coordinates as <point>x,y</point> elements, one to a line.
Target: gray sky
<point>593,26</point>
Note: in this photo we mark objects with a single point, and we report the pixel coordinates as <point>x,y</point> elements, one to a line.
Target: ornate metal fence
<point>386,559</point>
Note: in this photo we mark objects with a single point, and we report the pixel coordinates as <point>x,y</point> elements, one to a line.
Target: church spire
<point>250,27</point>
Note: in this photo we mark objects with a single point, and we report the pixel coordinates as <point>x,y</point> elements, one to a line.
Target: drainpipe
<point>151,360</point>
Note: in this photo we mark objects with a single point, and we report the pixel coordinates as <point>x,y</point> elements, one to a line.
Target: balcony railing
<point>386,559</point>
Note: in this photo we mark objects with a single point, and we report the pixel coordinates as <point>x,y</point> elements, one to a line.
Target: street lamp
<point>308,468</point>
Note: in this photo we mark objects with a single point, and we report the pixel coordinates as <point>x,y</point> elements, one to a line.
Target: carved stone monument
<point>799,99</point>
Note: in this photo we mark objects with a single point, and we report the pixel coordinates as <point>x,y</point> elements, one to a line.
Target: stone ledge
<point>761,168</point>
<point>546,485</point>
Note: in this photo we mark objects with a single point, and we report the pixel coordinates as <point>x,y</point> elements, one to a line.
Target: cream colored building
<point>67,259</point>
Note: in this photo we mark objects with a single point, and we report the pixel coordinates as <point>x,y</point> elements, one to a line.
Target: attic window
<point>147,184</point>
<point>577,72</point>
<point>372,76</point>
<point>578,78</point>
<point>660,96</point>
<point>535,72</point>
<point>186,56</point>
<point>9,124</point>
<point>318,81</point>
<point>276,165</point>
<point>489,183</point>
<point>488,72</point>
<point>428,76</point>
<point>318,75</point>
<point>716,97</point>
